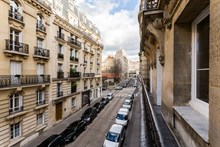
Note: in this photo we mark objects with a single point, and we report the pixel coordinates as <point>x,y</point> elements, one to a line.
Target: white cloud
<point>118,30</point>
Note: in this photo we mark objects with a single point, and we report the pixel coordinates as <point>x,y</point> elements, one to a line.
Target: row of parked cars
<point>116,134</point>
<point>73,130</point>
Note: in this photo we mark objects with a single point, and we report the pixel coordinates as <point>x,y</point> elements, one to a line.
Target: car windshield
<point>121,117</point>
<point>126,103</point>
<point>111,136</point>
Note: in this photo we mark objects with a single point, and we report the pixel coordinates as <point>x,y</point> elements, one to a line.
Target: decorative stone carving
<point>162,59</point>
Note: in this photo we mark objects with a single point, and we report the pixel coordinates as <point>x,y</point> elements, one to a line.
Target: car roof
<point>123,109</point>
<point>49,139</point>
<point>126,100</point>
<point>116,128</point>
<point>123,112</point>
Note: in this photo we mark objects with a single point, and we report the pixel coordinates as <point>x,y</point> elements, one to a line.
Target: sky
<point>117,22</point>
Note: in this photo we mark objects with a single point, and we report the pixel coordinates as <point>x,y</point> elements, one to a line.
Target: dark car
<point>99,106</point>
<point>73,130</point>
<point>53,141</point>
<point>89,115</point>
<point>104,100</point>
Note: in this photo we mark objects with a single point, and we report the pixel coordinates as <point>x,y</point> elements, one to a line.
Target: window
<point>59,67</point>
<point>15,130</point>
<point>15,40</point>
<point>73,102</point>
<point>40,43</point>
<point>40,119</point>
<point>200,63</point>
<point>40,97</point>
<point>15,103</point>
<point>60,49</point>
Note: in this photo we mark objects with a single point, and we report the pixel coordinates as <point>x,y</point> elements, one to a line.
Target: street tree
<point>117,69</point>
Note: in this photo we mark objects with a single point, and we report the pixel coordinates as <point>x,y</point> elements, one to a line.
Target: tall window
<point>40,43</point>
<point>15,130</point>
<point>73,102</point>
<point>60,49</point>
<point>40,119</point>
<point>39,20</point>
<point>40,97</point>
<point>15,39</point>
<point>15,104</point>
<point>200,61</point>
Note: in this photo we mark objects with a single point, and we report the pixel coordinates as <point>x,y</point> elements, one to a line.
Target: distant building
<point>107,66</point>
<point>124,61</point>
<point>133,68</point>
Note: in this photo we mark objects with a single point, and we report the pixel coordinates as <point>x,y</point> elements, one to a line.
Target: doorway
<point>59,111</point>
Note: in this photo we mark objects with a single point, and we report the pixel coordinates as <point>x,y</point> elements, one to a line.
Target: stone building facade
<point>120,55</point>
<point>180,41</point>
<point>43,78</point>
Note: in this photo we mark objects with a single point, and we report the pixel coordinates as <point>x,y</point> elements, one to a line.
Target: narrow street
<point>95,134</point>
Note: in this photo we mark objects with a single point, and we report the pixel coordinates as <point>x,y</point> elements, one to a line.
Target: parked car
<point>131,94</point>
<point>73,130</point>
<point>110,96</point>
<point>129,97</point>
<point>122,118</point>
<point>89,115</point>
<point>53,141</point>
<point>124,110</point>
<point>127,104</point>
<point>115,136</point>
<point>118,88</point>
<point>104,100</point>
<point>99,106</point>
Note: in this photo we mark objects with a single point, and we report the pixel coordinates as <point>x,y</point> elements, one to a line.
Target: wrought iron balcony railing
<point>60,74</point>
<point>59,93</point>
<point>19,80</point>
<point>41,52</point>
<point>40,26</point>
<point>92,74</point>
<point>15,15</point>
<point>149,5</point>
<point>85,87</point>
<point>15,109</point>
<point>72,58</point>
<point>40,102</point>
<point>60,35</point>
<point>15,46</point>
<point>74,41</point>
<point>74,75</point>
<point>60,55</point>
<point>86,74</point>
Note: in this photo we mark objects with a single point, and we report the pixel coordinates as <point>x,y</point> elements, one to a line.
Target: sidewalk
<point>59,127</point>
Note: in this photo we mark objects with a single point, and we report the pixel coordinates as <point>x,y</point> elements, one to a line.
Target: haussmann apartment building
<point>180,64</point>
<point>50,66</point>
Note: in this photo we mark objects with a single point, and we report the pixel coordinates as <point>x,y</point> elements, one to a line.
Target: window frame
<point>38,97</point>
<point>42,117</point>
<point>199,105</point>
<point>75,102</point>
<point>12,100</point>
<point>12,131</point>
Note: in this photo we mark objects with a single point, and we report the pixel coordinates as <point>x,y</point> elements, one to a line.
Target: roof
<point>123,112</point>
<point>116,128</point>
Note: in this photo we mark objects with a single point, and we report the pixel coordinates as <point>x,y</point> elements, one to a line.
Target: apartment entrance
<point>59,111</point>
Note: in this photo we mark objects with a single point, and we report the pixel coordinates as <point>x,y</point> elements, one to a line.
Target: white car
<point>122,118</point>
<point>110,96</point>
<point>115,136</point>
<point>127,104</point>
<point>124,110</point>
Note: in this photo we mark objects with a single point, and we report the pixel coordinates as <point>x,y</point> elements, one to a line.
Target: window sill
<point>16,115</point>
<point>15,141</point>
<point>40,106</point>
<point>196,121</point>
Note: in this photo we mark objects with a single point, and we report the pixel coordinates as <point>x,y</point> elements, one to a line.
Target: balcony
<point>73,88</point>
<point>60,36</point>
<point>74,42</point>
<point>85,87</point>
<point>60,74</point>
<point>59,93</point>
<point>41,53</point>
<point>75,75</point>
<point>86,75</point>
<point>92,75</point>
<point>41,27</point>
<point>72,58</point>
<point>14,47</point>
<point>15,110</point>
<point>41,102</point>
<point>60,55</point>
<point>16,16</point>
<point>22,80</point>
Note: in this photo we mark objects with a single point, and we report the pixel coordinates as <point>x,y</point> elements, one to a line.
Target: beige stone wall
<point>214,80</point>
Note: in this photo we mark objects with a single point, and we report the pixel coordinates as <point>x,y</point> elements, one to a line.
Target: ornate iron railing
<point>60,35</point>
<point>149,5</point>
<point>40,102</point>
<point>15,15</point>
<point>60,55</point>
<point>85,87</point>
<point>74,75</point>
<point>92,74</point>
<point>74,41</point>
<point>19,80</point>
<point>60,74</point>
<point>41,26</point>
<point>15,109</point>
<point>17,46</point>
<point>59,93</point>
<point>86,74</point>
<point>41,52</point>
